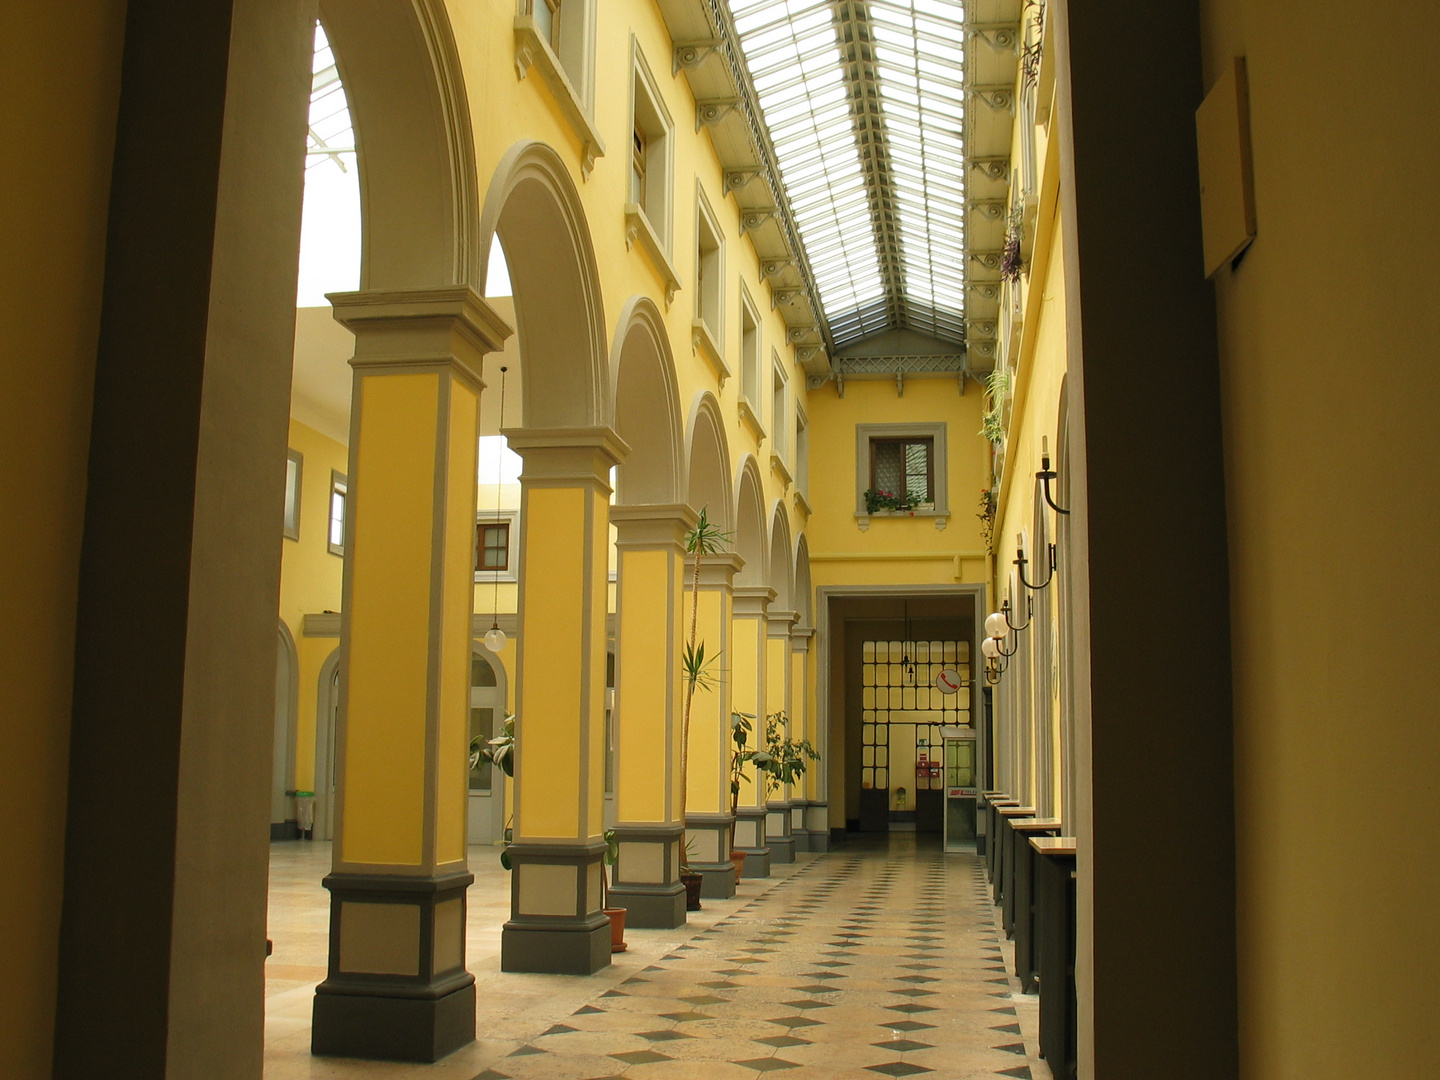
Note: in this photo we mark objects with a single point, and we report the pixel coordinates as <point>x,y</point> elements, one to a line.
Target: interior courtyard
<point>574,539</point>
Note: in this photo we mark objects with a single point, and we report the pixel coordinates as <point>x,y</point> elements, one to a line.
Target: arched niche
<point>749,529</point>
<point>415,149</point>
<point>707,464</point>
<point>804,592</point>
<point>647,407</point>
<point>532,205</point>
<point>782,570</point>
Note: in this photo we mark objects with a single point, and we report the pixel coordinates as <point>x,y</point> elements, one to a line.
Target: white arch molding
<point>646,407</point>
<point>533,206</point>
<point>781,574</point>
<point>707,461</point>
<point>749,528</point>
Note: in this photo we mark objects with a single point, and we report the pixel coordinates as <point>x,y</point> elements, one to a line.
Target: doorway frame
<point>823,595</point>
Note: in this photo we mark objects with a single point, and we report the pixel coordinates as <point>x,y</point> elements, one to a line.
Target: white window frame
<point>499,517</point>
<point>802,454</point>
<point>651,223</point>
<point>569,72</point>
<point>708,326</point>
<point>751,339</point>
<point>781,419</point>
<point>865,433</point>
<point>293,500</point>
<point>339,482</point>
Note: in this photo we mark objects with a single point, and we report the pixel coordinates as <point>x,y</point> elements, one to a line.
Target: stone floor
<point>877,959</point>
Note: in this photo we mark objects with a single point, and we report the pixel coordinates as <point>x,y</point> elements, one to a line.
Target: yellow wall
<point>310,583</point>
<point>928,553</point>
<point>59,75</point>
<point>1327,338</point>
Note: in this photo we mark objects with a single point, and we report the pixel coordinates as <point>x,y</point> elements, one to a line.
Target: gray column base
<point>367,1010</point>
<point>655,907</point>
<point>719,880</point>
<point>757,862</point>
<point>571,949</point>
<point>782,849</point>
<point>802,840</point>
<point>422,1030</point>
<point>819,842</point>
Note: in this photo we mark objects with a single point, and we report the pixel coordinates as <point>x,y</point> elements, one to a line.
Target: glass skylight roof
<point>864,100</point>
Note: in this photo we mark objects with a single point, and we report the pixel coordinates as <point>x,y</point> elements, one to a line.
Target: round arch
<point>707,461</point>
<point>416,158</point>
<point>749,527</point>
<point>804,593</point>
<point>782,566</point>
<point>532,205</point>
<point>646,407</point>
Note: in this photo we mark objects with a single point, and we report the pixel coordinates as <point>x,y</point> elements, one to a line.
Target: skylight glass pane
<point>862,185</point>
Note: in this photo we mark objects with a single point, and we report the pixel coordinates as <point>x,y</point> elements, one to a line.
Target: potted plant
<point>703,539</point>
<point>692,880</point>
<point>616,915</point>
<point>788,758</point>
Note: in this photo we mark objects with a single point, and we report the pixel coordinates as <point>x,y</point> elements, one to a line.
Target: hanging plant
<point>988,503</point>
<point>997,388</point>
<point>1030,53</point>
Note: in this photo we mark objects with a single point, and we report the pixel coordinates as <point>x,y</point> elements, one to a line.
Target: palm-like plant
<point>705,538</point>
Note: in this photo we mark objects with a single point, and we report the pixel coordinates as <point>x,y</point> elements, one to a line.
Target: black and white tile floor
<point>864,963</point>
<point>877,959</point>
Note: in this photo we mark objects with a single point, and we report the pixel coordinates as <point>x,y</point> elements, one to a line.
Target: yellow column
<point>709,824</point>
<point>397,987</point>
<point>779,834</point>
<point>751,690</point>
<point>556,924</point>
<point>649,697</point>
<point>802,806</point>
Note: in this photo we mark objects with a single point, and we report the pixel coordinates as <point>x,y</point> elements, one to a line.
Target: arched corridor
<point>884,958</point>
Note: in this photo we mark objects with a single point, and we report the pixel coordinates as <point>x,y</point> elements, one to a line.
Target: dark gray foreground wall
<point>162,946</point>
<point>1156,822</point>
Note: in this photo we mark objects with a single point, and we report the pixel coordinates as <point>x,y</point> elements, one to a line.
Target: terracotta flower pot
<point>738,858</point>
<point>617,928</point>
<point>692,883</point>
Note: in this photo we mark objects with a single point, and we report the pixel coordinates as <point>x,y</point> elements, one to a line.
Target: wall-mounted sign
<point>948,681</point>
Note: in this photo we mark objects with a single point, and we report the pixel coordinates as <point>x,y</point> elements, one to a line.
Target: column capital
<point>398,328</point>
<point>720,570</point>
<point>800,638</point>
<point>652,524</point>
<point>779,622</point>
<point>567,454</point>
<point>753,599</point>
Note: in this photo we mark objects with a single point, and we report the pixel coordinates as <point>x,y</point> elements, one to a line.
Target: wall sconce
<point>1021,561</point>
<point>995,659</point>
<point>1046,474</point>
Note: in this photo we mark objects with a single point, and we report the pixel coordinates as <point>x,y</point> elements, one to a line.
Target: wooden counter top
<point>1053,845</point>
<point>1016,811</point>
<point>1036,824</point>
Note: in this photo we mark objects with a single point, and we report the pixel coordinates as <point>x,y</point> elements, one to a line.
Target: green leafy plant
<point>877,500</point>
<point>788,758</point>
<point>704,538</point>
<point>988,506</point>
<point>997,389</point>
<point>500,750</point>
<point>782,760</point>
<point>610,858</point>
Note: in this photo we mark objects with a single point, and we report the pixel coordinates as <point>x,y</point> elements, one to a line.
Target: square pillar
<point>778,825</point>
<point>556,925</point>
<point>803,721</point>
<point>649,698</point>
<point>709,824</point>
<point>748,657</point>
<point>397,988</point>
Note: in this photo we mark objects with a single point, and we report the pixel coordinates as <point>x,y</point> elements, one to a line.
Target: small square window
<point>903,467</point>
<point>492,546</point>
<point>339,499</point>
